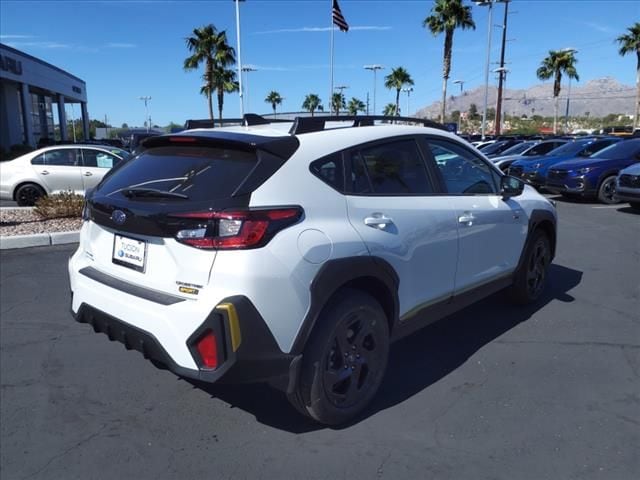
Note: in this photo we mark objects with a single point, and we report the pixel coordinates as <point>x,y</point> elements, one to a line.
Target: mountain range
<point>596,98</point>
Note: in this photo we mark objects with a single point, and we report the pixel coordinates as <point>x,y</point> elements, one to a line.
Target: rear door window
<point>200,173</point>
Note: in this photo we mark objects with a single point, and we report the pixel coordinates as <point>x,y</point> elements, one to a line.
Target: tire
<point>530,279</point>
<point>635,206</point>
<point>607,190</point>
<point>28,194</point>
<point>344,360</point>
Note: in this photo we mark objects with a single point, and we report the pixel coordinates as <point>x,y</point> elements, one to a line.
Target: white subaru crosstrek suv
<point>295,253</point>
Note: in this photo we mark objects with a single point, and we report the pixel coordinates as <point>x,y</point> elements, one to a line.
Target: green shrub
<point>59,205</point>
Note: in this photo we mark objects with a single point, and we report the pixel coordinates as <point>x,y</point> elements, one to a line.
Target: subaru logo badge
<point>118,216</point>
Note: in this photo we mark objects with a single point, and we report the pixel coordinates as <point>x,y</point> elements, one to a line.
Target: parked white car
<point>55,169</point>
<point>296,254</point>
<point>628,186</point>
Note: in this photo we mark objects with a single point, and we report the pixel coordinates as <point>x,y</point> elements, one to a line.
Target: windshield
<point>570,148</point>
<point>518,149</point>
<point>123,154</point>
<point>625,148</point>
<point>494,147</point>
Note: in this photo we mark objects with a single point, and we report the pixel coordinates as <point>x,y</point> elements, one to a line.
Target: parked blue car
<point>533,170</point>
<point>594,176</point>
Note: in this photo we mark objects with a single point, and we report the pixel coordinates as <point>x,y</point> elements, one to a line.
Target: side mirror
<point>510,187</point>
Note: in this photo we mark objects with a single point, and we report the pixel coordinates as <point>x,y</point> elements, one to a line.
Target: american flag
<point>338,18</point>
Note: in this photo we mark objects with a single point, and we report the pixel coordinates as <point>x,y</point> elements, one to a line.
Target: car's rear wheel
<point>607,190</point>
<point>530,279</point>
<point>28,194</point>
<point>345,359</point>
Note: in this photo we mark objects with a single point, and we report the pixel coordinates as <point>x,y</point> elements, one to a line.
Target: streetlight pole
<point>487,3</point>
<point>237,2</point>
<point>247,69</point>
<point>374,69</point>
<point>461,82</point>
<point>502,70</point>
<point>408,90</point>
<point>146,101</point>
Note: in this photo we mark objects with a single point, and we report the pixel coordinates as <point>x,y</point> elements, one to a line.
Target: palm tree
<point>338,102</point>
<point>356,105</point>
<point>630,43</point>
<point>312,103</point>
<point>274,99</point>
<point>224,81</point>
<point>210,47</point>
<point>390,110</point>
<point>397,79</point>
<point>446,16</point>
<point>554,65</point>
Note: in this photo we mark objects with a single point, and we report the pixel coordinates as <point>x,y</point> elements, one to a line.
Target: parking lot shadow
<point>415,362</point>
<point>628,209</point>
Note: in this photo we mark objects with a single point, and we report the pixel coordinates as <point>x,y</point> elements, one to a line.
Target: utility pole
<point>502,70</point>
<point>374,69</point>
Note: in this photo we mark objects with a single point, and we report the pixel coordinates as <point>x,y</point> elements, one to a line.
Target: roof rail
<point>250,119</point>
<point>316,124</point>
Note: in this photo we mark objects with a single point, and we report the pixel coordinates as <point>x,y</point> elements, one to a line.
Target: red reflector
<point>182,139</point>
<point>208,350</point>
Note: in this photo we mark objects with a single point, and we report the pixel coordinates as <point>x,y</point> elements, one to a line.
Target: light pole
<point>461,82</point>
<point>237,2</point>
<point>487,3</point>
<point>146,101</point>
<point>374,68</point>
<point>408,90</point>
<point>502,71</point>
<point>566,113</point>
<point>247,69</point>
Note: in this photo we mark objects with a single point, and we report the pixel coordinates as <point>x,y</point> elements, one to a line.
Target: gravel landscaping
<point>25,222</point>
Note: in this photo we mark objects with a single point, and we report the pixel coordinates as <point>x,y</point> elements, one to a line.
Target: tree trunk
<point>397,102</point>
<point>220,102</point>
<point>636,118</point>
<point>209,79</point>
<point>446,69</point>
<point>555,115</point>
<point>210,98</point>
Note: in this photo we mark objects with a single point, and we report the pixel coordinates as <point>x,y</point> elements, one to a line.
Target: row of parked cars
<point>595,167</point>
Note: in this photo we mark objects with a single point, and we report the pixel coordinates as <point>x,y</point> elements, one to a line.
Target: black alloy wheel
<point>531,278</point>
<point>28,194</point>
<point>607,191</point>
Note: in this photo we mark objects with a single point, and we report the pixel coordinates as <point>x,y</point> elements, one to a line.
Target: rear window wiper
<point>152,192</point>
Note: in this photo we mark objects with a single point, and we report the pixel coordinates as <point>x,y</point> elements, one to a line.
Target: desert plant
<point>59,205</point>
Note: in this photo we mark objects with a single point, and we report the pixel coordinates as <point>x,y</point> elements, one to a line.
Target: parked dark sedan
<point>594,176</point>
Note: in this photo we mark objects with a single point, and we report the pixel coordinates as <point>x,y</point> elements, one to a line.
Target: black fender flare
<point>547,220</point>
<point>339,273</point>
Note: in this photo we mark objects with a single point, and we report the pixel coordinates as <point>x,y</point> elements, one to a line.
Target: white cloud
<point>47,45</point>
<point>15,37</point>
<point>599,27</point>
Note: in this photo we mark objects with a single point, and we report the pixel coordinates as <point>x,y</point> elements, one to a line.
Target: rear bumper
<point>246,348</point>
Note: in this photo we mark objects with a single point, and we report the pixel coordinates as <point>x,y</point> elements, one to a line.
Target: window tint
<point>97,158</point>
<point>462,171</point>
<point>68,157</point>
<point>394,168</point>
<point>201,173</point>
<point>330,170</point>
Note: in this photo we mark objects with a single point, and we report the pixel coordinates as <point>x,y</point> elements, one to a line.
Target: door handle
<point>378,220</point>
<point>87,174</point>
<point>466,218</point>
<point>45,172</point>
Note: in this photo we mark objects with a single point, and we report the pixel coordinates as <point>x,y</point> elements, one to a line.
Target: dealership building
<point>33,97</point>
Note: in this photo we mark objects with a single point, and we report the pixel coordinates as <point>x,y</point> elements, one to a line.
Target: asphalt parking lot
<point>494,392</point>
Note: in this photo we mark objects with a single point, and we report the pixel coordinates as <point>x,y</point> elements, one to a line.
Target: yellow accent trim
<point>234,324</point>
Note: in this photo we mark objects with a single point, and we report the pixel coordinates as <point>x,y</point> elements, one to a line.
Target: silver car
<point>60,168</point>
<point>628,186</point>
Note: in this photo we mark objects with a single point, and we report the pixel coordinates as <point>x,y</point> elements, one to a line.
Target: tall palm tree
<point>311,103</point>
<point>554,65</point>
<point>630,43</point>
<point>224,81</point>
<point>446,16</point>
<point>397,79</point>
<point>274,99</point>
<point>209,47</point>
<point>338,102</point>
<point>390,110</point>
<point>356,105</point>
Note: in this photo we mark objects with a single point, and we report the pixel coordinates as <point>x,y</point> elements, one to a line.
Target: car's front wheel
<point>28,194</point>
<point>345,359</point>
<point>607,190</point>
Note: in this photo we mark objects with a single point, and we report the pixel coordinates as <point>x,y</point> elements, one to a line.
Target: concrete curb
<point>39,240</point>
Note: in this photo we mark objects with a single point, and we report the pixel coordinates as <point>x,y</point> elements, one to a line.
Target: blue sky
<point>127,49</point>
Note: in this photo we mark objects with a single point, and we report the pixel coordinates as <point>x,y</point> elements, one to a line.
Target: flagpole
<point>331,62</point>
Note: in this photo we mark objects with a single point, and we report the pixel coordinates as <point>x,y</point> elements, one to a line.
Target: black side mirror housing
<point>511,187</point>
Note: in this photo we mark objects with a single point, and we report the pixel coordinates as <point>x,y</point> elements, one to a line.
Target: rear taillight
<point>208,349</point>
<point>235,229</point>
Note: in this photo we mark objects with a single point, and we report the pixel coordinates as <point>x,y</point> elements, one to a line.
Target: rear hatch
<point>157,220</point>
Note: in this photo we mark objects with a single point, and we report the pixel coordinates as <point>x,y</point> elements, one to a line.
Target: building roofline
<point>42,62</point>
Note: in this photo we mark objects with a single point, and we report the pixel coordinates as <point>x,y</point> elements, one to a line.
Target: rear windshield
<point>570,148</point>
<point>518,148</point>
<point>200,173</point>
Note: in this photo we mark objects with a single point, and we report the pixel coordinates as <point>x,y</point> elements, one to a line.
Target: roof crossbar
<point>316,124</point>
